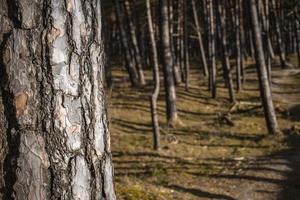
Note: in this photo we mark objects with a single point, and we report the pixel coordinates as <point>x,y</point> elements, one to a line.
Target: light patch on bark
<point>78,23</point>
<point>54,33</point>
<point>70,5</point>
<point>99,20</point>
<point>33,168</point>
<point>108,182</point>
<point>96,55</point>
<point>81,179</point>
<point>20,103</point>
<point>172,91</point>
<point>68,120</point>
<point>62,79</point>
<point>28,10</point>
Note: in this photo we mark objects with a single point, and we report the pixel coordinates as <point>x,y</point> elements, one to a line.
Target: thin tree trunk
<point>226,63</point>
<point>281,51</point>
<point>186,47</point>
<point>52,73</point>
<point>136,49</point>
<point>242,32</point>
<point>172,116</point>
<point>251,43</point>
<point>153,100</point>
<point>126,48</point>
<point>181,39</point>
<point>264,25</point>
<point>238,46</point>
<point>202,51</point>
<point>270,53</point>
<point>297,33</point>
<point>176,70</point>
<point>265,90</point>
<point>177,47</point>
<point>267,12</point>
<point>212,50</point>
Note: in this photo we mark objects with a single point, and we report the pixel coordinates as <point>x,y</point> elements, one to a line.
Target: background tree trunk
<point>136,49</point>
<point>168,65</point>
<point>153,100</point>
<point>130,66</point>
<point>297,33</point>
<point>186,46</point>
<point>262,72</point>
<point>201,47</point>
<point>228,77</point>
<point>278,31</point>
<point>52,70</point>
<point>212,49</point>
<point>238,46</point>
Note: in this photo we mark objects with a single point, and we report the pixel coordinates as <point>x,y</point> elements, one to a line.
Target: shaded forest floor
<point>204,157</point>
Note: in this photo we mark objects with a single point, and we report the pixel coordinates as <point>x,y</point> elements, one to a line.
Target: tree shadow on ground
<point>291,190</point>
<point>294,112</point>
<point>199,193</point>
<point>129,164</point>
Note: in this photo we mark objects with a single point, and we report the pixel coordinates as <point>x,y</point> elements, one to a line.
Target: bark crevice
<point>12,131</point>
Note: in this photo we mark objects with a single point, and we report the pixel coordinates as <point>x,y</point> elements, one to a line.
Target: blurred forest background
<point>226,114</point>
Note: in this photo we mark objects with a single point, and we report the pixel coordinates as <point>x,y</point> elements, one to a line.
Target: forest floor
<point>204,157</point>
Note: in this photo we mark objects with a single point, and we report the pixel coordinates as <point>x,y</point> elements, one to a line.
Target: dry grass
<point>195,154</point>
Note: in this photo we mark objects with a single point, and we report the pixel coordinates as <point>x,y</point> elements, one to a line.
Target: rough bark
<point>52,64</point>
<point>265,90</point>
<point>168,65</point>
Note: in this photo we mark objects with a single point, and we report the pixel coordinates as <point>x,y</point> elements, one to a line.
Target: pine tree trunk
<point>269,52</point>
<point>181,39</point>
<point>126,48</point>
<point>238,47</point>
<point>242,38</point>
<point>201,46</point>
<point>212,49</point>
<point>52,73</point>
<point>177,47</point>
<point>168,65</point>
<point>297,33</point>
<point>226,63</point>
<point>278,31</point>
<point>136,49</point>
<point>176,69</point>
<point>186,46</point>
<point>270,47</point>
<point>153,99</point>
<point>265,90</point>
